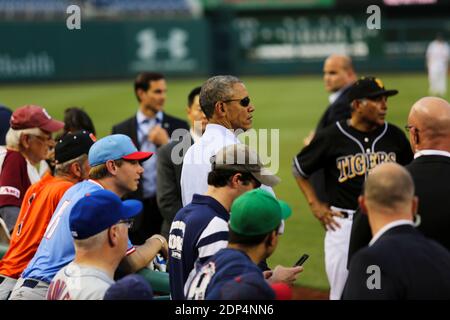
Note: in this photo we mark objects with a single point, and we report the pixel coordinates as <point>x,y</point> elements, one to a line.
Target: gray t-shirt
<point>77,282</point>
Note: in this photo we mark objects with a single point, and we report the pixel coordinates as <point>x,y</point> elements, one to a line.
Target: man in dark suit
<point>429,134</point>
<point>168,191</point>
<point>149,129</point>
<point>400,262</point>
<point>338,76</point>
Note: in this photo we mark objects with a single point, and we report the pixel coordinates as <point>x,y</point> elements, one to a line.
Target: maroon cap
<point>31,116</point>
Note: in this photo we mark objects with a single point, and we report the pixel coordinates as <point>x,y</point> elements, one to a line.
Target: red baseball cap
<point>31,116</point>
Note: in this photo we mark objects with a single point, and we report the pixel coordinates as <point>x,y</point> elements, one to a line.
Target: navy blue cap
<point>130,287</point>
<point>249,286</point>
<point>99,210</point>
<point>115,147</point>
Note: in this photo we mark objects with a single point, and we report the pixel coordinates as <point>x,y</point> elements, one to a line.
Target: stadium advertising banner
<point>296,44</point>
<point>101,49</point>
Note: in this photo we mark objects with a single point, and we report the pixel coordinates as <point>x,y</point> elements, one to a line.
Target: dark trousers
<point>360,235</point>
<point>147,223</point>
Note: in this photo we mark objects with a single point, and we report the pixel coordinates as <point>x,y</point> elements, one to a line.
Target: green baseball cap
<point>257,212</point>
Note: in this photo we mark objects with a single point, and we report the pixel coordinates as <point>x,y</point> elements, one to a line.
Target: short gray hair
<point>217,88</point>
<point>64,168</point>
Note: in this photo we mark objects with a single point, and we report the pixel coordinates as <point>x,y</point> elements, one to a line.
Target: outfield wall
<point>225,41</point>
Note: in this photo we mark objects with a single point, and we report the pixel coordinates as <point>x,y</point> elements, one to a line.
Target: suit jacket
<point>339,110</point>
<point>168,191</point>
<point>431,175</point>
<point>410,267</point>
<point>129,128</point>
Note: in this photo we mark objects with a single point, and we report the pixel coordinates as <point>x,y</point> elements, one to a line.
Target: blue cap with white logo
<point>114,147</point>
<point>99,210</point>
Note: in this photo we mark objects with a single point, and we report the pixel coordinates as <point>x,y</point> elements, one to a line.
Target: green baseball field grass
<point>291,104</point>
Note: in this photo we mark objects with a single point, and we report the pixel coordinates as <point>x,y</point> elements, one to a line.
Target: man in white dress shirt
<point>226,104</point>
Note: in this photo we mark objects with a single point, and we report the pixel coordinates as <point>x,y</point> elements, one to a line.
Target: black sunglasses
<point>243,102</point>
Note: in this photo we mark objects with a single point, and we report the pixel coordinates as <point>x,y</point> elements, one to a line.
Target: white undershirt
<point>389,226</point>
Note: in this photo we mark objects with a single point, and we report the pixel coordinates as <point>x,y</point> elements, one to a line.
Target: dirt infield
<point>304,293</point>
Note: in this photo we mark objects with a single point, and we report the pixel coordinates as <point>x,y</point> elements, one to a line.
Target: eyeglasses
<point>128,222</point>
<point>409,127</point>
<point>243,102</point>
<point>42,138</point>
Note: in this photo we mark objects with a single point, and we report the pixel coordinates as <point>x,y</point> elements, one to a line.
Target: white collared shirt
<point>196,162</point>
<point>389,226</point>
<point>431,152</point>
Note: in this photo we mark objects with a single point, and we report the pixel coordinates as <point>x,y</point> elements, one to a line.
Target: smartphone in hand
<point>302,259</point>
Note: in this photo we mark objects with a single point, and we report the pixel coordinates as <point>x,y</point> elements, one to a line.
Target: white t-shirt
<point>77,282</point>
<point>437,55</point>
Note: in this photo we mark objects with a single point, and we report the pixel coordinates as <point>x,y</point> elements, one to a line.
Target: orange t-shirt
<point>39,203</point>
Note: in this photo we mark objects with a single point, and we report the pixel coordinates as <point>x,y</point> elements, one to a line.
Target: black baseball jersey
<point>347,155</point>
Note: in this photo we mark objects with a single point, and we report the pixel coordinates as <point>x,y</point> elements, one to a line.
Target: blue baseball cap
<point>99,210</point>
<point>130,287</point>
<point>114,147</point>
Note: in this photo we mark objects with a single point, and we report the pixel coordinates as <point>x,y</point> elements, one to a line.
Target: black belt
<point>30,283</point>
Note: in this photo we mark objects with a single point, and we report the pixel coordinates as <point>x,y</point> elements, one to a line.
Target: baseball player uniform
<point>76,282</point>
<point>347,155</point>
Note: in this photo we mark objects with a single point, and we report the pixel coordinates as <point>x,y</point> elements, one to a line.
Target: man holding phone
<point>254,227</point>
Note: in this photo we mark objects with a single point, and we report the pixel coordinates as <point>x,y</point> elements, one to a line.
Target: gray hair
<point>64,168</point>
<point>217,88</point>
<point>13,136</point>
<point>390,186</point>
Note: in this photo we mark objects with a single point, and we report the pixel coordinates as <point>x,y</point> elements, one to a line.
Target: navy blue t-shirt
<point>198,231</point>
<point>225,266</point>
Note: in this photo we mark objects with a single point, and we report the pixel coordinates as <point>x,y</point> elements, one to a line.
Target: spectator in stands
<point>5,116</point>
<point>99,224</point>
<point>200,229</point>
<point>76,119</point>
<point>150,128</point>
<point>28,142</point>
<point>115,166</point>
<point>255,225</point>
<point>168,191</point>
<point>40,202</point>
<point>400,263</point>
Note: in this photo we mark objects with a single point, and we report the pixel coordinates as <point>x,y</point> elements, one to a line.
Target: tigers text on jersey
<point>197,232</point>
<point>347,156</point>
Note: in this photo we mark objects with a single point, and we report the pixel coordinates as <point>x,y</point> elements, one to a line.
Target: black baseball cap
<point>72,145</point>
<point>369,87</point>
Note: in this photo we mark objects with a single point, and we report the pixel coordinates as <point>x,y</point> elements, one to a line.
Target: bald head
<point>338,72</point>
<point>431,117</point>
<point>389,185</point>
<point>341,60</point>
